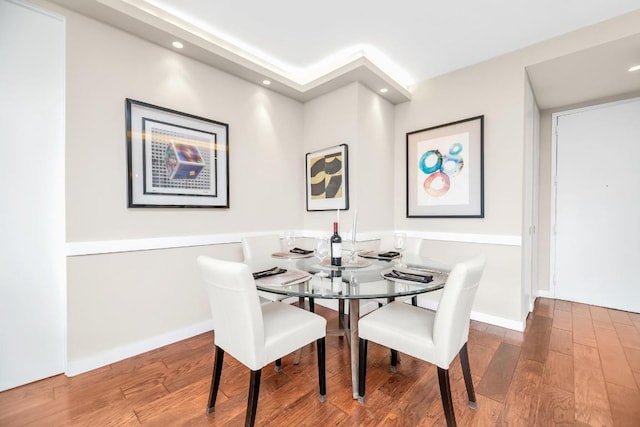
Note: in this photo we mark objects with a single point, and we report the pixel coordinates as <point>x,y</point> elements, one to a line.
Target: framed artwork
<point>175,160</point>
<point>445,176</point>
<point>327,174</point>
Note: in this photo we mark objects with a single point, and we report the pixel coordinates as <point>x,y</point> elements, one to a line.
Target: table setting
<point>278,276</point>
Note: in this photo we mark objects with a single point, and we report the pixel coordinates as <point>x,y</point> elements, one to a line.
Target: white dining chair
<point>413,246</point>
<point>260,246</point>
<point>256,251</point>
<point>255,334</point>
<point>435,337</point>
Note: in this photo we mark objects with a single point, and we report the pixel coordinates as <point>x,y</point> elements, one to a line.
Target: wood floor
<point>574,365</point>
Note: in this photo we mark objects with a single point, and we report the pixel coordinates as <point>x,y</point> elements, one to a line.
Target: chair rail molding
<point>169,242</point>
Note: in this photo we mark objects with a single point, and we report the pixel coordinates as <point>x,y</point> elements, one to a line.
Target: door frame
<point>530,202</point>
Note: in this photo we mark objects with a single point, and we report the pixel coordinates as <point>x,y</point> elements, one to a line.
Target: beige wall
<point>121,303</point>
<point>373,168</point>
<point>496,89</point>
<point>355,116</point>
<point>105,66</point>
<point>330,120</point>
<point>124,302</point>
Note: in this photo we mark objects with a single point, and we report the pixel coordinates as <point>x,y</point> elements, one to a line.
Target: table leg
<point>354,316</point>
<point>296,359</point>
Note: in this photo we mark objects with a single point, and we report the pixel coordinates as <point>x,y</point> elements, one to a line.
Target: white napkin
<point>290,277</point>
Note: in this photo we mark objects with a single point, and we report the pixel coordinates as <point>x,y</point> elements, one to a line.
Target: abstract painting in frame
<point>445,176</point>
<point>327,174</point>
<point>175,160</point>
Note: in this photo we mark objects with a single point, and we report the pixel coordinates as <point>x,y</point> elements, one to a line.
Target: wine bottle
<point>336,247</point>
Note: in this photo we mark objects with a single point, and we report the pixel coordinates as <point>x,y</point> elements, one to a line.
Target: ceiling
<point>307,49</point>
<point>596,73</point>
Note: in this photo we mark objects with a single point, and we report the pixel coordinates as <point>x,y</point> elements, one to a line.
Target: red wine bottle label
<point>336,250</point>
<point>336,246</point>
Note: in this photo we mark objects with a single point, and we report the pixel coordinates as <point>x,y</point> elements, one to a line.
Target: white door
<point>32,229</point>
<point>597,230</point>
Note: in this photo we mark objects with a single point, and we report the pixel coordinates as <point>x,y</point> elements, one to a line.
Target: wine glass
<point>321,252</point>
<point>353,283</point>
<point>352,242</point>
<point>290,239</point>
<point>399,243</point>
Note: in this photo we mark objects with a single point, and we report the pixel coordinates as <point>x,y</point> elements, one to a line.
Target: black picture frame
<point>327,179</point>
<point>445,170</point>
<point>174,159</point>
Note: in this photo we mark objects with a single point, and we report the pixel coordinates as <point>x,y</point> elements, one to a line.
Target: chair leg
<point>322,373</point>
<point>394,360</point>
<point>414,300</point>
<point>312,305</point>
<point>252,402</point>
<point>445,393</point>
<point>278,365</point>
<point>362,374</point>
<point>215,379</point>
<point>466,372</point>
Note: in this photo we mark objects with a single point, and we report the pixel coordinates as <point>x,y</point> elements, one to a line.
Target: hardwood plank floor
<point>574,365</point>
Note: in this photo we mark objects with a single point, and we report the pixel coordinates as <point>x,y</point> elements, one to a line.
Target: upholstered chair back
<point>263,246</point>
<point>235,308</point>
<point>451,323</point>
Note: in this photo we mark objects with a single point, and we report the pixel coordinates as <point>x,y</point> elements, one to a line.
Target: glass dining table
<point>359,278</point>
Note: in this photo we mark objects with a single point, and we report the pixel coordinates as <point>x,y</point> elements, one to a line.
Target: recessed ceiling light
<point>634,68</point>
<point>177,45</point>
<point>384,90</point>
<point>266,82</point>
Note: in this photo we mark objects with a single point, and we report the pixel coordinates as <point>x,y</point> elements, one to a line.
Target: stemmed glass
<point>399,243</point>
<point>353,284</point>
<point>290,239</point>
<point>321,252</point>
<point>352,242</point>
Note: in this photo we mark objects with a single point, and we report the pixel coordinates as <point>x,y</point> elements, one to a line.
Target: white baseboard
<point>544,294</point>
<point>482,317</point>
<point>370,305</point>
<point>77,367</point>
<point>498,321</point>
